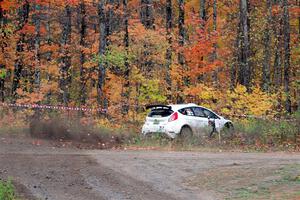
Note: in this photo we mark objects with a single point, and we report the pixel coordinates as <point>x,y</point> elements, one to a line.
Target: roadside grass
<point>13,129</point>
<point>268,133</point>
<point>251,182</point>
<point>285,186</point>
<point>250,135</point>
<point>7,190</point>
<point>199,142</point>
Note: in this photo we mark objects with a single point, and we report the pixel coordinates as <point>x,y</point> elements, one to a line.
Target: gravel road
<point>45,171</point>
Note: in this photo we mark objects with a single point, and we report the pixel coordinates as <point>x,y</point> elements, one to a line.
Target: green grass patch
<point>248,193</point>
<point>268,133</point>
<point>286,185</point>
<point>7,190</point>
<point>162,142</point>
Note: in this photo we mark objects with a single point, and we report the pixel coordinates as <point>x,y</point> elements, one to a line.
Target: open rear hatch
<point>159,113</point>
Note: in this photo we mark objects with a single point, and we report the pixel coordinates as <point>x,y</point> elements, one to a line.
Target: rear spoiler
<point>158,107</point>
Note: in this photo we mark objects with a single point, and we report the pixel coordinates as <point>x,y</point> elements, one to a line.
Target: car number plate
<point>156,121</point>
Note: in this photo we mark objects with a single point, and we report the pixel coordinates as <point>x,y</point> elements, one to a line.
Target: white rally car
<point>182,119</point>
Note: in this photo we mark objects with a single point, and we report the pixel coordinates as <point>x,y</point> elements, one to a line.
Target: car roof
<point>180,106</point>
<point>176,107</point>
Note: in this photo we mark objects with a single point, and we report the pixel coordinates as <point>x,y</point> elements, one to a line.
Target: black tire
<point>186,134</point>
<point>228,130</point>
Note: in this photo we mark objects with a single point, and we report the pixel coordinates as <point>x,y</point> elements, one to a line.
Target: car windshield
<point>160,113</point>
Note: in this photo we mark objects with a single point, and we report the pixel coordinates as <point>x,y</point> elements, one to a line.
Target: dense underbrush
<point>103,132</point>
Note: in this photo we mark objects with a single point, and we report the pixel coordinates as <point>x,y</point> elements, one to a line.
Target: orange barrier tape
<point>53,107</point>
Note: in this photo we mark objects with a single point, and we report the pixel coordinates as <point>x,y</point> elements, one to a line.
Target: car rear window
<point>160,113</point>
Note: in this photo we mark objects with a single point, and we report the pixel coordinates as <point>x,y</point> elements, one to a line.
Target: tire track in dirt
<point>115,185</point>
<point>64,177</point>
<point>47,172</point>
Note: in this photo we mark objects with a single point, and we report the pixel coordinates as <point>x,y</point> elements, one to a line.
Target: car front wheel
<point>228,130</point>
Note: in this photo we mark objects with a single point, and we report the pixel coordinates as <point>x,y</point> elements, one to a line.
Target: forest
<point>238,57</point>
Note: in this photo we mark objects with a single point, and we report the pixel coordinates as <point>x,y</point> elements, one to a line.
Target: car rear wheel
<point>186,134</point>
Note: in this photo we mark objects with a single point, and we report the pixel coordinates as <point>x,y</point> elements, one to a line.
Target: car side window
<point>210,114</point>
<point>187,111</point>
<point>199,112</point>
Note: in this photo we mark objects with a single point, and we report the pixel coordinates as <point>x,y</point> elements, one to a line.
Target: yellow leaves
<point>115,87</point>
<point>255,103</point>
<point>136,76</point>
<point>93,93</point>
<point>238,101</point>
<point>205,95</point>
<point>90,64</point>
<point>176,73</point>
<point>240,90</point>
<point>53,70</point>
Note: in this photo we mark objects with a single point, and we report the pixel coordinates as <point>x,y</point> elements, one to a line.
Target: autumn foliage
<point>113,54</point>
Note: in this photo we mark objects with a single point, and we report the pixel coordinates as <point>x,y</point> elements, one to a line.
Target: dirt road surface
<point>44,171</point>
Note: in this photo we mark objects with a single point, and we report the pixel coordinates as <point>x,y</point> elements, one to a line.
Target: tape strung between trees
<point>105,111</point>
<point>37,106</point>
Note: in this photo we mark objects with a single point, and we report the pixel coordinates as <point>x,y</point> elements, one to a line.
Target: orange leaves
<point>8,4</point>
<point>53,49</point>
<point>47,48</point>
<point>198,58</point>
<point>47,87</point>
<point>29,29</point>
<point>72,2</point>
<point>295,11</point>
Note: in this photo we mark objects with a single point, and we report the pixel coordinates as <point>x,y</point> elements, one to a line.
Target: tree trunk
<point>214,56</point>
<point>83,27</point>
<point>244,69</point>
<point>181,27</point>
<point>3,45</point>
<point>65,63</point>
<point>203,13</point>
<point>181,42</point>
<point>266,79</point>
<point>23,14</point>
<point>203,19</point>
<point>109,20</point>
<point>287,55</point>
<point>146,13</point>
<point>236,59</point>
<point>37,23</point>
<point>102,50</point>
<point>278,30</point>
<point>169,26</point>
<point>298,3</point>
<point>126,86</point>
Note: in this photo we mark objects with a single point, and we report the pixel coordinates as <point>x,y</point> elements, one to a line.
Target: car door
<point>201,119</point>
<point>189,117</point>
<point>212,117</point>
